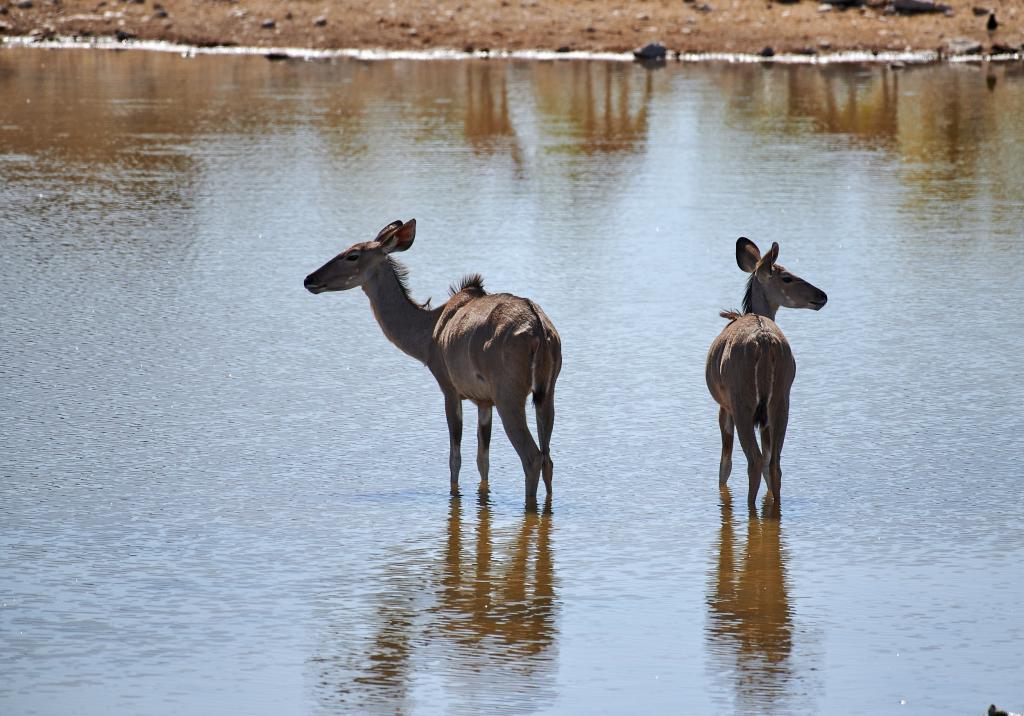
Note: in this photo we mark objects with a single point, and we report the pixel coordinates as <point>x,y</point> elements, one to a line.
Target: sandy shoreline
<point>711,29</point>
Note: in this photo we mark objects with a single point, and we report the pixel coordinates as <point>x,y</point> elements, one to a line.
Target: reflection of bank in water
<point>750,630</point>
<point>476,621</point>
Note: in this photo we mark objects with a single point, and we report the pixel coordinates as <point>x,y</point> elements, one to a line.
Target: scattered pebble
<point>24,5</point>
<point>268,24</point>
<point>767,52</point>
<point>320,21</point>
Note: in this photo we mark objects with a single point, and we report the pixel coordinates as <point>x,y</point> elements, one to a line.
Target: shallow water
<point>224,495</point>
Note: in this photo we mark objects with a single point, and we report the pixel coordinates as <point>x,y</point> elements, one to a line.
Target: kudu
<point>492,349</point>
<point>750,367</point>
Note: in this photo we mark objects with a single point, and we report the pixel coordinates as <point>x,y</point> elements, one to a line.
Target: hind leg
<point>779,417</point>
<point>748,441</point>
<point>766,452</point>
<point>545,423</point>
<point>725,424</point>
<point>513,419</point>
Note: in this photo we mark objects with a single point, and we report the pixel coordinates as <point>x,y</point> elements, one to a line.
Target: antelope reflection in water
<point>750,629</point>
<point>481,620</point>
<point>500,614</point>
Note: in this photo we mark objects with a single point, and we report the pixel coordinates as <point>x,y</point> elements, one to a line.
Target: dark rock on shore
<point>652,51</point>
<point>915,7</point>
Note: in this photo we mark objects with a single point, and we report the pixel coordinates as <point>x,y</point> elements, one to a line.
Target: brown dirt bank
<point>746,26</point>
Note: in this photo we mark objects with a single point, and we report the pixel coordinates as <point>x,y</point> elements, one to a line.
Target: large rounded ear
<point>387,230</point>
<point>399,239</point>
<point>747,254</point>
<point>769,258</point>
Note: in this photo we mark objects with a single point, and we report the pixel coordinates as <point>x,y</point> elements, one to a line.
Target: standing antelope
<point>751,368</point>
<point>492,349</point>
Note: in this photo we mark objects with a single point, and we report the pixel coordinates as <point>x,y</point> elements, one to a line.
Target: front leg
<point>453,411</point>
<point>483,443</point>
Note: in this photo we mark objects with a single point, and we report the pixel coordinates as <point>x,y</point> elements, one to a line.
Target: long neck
<point>755,300</point>
<point>407,325</point>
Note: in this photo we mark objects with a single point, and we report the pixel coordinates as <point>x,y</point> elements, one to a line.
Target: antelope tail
<point>764,378</point>
<point>540,360</point>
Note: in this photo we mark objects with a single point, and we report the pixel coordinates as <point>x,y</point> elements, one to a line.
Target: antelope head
<point>779,286</point>
<point>359,262</point>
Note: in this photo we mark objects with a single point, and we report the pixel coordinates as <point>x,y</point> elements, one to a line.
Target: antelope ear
<point>747,254</point>
<point>400,238</point>
<point>769,258</point>
<point>387,230</point>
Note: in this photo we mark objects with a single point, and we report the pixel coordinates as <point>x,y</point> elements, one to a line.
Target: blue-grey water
<point>221,494</point>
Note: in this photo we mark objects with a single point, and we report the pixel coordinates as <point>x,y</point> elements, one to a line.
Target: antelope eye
<point>352,257</point>
<point>787,279</point>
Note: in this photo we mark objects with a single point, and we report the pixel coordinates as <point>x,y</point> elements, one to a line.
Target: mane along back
<point>748,303</point>
<point>474,283</point>
<point>401,272</point>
